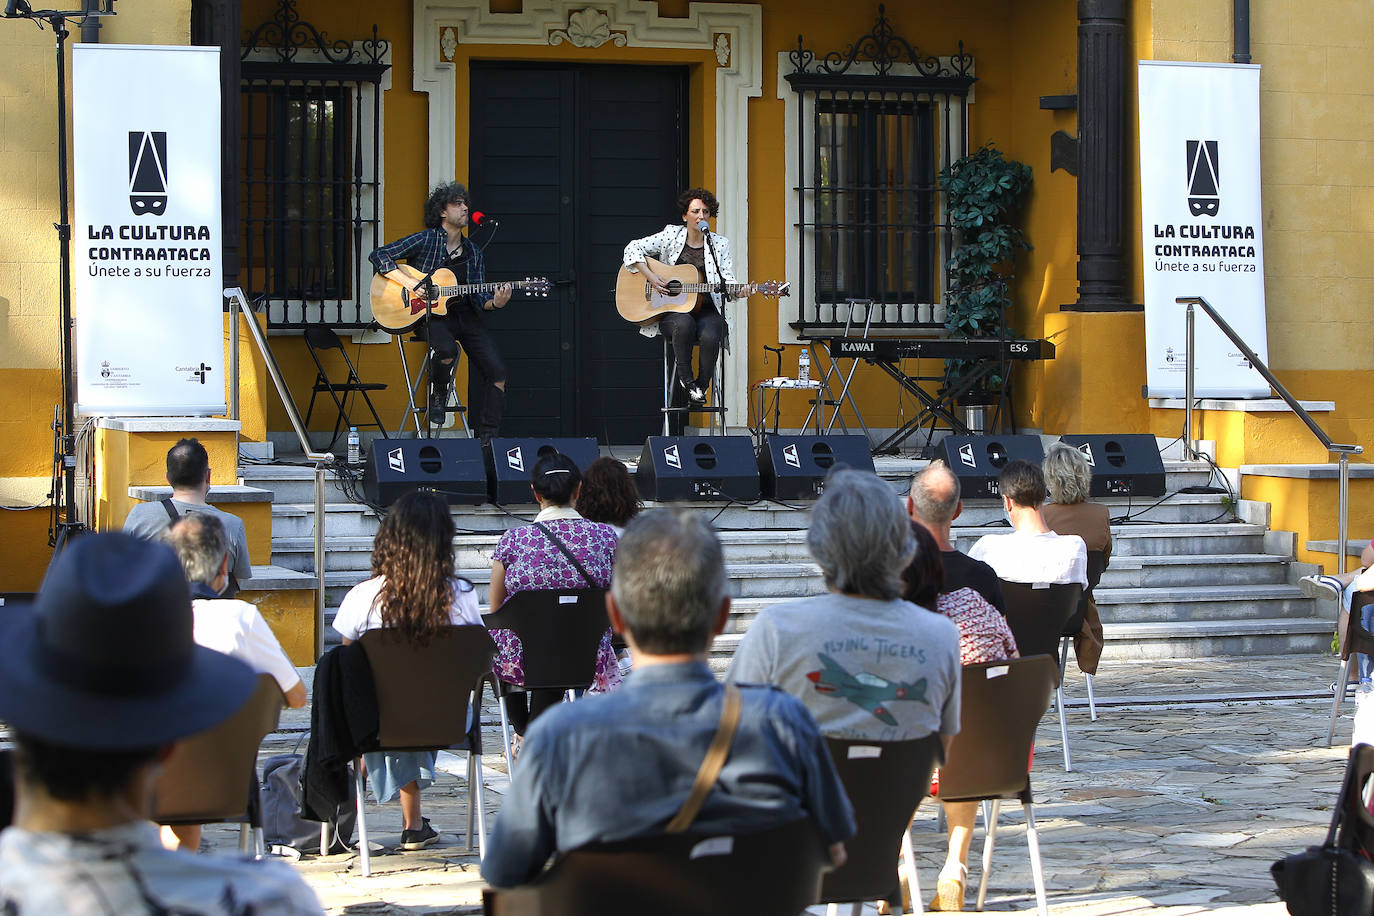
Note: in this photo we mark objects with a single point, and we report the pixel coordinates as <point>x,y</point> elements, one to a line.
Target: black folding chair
<point>321,338</point>
<point>885,781</point>
<point>772,872</point>
<point>560,633</point>
<point>1038,617</point>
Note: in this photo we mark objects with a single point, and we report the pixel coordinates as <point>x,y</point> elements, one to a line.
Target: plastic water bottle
<point>355,454</point>
<point>804,365</point>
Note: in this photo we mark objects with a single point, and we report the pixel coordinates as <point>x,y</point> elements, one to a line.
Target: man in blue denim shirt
<point>619,766</point>
<point>442,244</point>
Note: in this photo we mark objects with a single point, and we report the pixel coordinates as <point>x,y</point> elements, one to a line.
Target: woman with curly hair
<point>608,495</point>
<point>413,589</point>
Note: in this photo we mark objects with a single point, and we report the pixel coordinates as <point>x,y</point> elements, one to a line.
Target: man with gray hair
<point>934,504</point>
<point>867,664</point>
<point>226,625</point>
<point>621,765</point>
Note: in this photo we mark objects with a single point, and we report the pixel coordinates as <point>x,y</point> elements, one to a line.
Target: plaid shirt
<point>427,251</point>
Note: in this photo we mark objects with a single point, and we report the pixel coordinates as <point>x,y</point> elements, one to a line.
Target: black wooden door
<point>574,161</point>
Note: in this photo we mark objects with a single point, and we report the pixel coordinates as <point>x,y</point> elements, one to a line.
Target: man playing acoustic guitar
<point>442,245</point>
<point>704,325</point>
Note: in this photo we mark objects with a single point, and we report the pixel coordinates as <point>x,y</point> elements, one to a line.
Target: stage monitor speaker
<point>510,462</point>
<point>794,467</point>
<point>1125,465</point>
<point>452,467</point>
<point>977,460</point>
<point>698,467</point>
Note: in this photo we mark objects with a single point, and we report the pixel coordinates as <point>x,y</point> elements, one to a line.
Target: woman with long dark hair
<point>414,590</point>
<point>530,558</point>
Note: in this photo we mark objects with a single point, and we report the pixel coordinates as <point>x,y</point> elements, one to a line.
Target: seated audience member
<point>866,663</point>
<point>609,495</point>
<point>621,766</point>
<point>224,624</point>
<point>983,637</point>
<point>1069,479</point>
<point>1031,552</point>
<point>934,504</point>
<point>98,680</point>
<point>560,550</point>
<point>413,589</point>
<point>1344,586</point>
<point>188,471</point>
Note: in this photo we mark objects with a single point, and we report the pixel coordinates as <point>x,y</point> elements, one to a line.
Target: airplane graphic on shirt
<point>866,690</point>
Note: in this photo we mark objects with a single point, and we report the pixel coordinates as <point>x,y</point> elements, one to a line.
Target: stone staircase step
<point>1194,569</point>
<point>1202,603</point>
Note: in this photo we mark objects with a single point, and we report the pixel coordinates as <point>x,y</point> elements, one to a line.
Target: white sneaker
<point>1321,586</point>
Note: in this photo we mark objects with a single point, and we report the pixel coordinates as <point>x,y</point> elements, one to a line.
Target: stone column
<point>1101,156</point>
<point>217,23</point>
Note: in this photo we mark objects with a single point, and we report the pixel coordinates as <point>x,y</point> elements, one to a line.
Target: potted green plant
<point>983,192</point>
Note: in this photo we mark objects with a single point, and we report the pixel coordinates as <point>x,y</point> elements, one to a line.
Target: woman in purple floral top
<point>525,559</point>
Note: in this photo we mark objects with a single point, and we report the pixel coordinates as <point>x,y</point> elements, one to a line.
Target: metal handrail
<point>239,303</point>
<point>1343,451</point>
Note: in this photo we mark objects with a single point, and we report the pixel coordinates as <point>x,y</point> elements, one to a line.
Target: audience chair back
<point>212,776</point>
<point>451,667</point>
<point>560,633</point>
<point>1000,707</point>
<point>1358,641</point>
<point>320,338</point>
<point>773,872</point>
<point>885,781</point>
<point>1038,618</point>
<point>6,788</point>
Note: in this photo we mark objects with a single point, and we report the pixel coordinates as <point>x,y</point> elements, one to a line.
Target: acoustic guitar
<point>639,302</point>
<point>399,308</point>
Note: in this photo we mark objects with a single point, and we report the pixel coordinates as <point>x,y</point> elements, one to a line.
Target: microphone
<point>479,219</point>
<point>703,226</point>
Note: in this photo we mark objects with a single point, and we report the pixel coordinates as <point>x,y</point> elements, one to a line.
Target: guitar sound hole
<point>674,287</point>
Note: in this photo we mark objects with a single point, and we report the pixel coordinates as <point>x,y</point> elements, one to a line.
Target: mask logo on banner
<point>1204,178</point>
<point>148,172</point>
<point>105,369</point>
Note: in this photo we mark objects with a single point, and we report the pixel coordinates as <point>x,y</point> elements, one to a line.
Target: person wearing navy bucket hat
<point>99,678</point>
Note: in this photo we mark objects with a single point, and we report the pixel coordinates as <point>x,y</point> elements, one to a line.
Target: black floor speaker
<point>698,467</point>
<point>1125,465</point>
<point>511,461</point>
<point>977,460</point>
<point>794,467</point>
<point>451,467</point>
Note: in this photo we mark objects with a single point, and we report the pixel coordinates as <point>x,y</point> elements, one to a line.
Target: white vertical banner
<point>1200,206</point>
<point>146,240</point>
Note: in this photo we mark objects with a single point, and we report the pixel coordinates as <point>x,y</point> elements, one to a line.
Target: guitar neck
<point>467,289</point>
<point>731,288</point>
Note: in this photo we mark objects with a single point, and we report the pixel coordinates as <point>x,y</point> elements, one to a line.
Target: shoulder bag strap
<point>172,512</point>
<point>548,533</point>
<point>713,762</point>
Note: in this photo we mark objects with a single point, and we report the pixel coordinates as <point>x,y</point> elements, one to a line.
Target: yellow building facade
<point>732,59</point>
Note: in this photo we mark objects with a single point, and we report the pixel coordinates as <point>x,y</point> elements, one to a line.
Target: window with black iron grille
<point>310,147</point>
<point>874,125</point>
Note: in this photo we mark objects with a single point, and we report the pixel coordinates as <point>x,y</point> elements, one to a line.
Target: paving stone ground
<point>1174,804</point>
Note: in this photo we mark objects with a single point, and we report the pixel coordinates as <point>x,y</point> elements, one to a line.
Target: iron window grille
<point>310,190</point>
<point>873,126</point>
